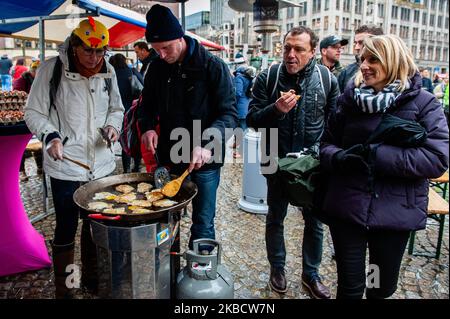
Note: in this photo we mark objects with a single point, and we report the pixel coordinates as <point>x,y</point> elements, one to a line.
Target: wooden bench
<point>437,209</point>
<point>441,183</point>
<point>442,179</point>
<point>34,146</point>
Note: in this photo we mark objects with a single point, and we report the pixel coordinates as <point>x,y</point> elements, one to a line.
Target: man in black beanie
<point>188,89</point>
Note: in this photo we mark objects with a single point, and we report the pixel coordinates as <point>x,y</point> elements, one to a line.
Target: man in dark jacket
<point>299,123</point>
<point>360,34</point>
<point>426,81</point>
<point>145,55</point>
<point>190,91</point>
<point>330,53</point>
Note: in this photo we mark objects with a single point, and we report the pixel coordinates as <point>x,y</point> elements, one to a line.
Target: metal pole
<point>23,48</point>
<point>183,15</point>
<point>41,40</point>
<point>246,18</point>
<point>266,41</point>
<point>55,17</point>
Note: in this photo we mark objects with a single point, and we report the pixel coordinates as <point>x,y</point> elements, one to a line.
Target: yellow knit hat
<point>93,33</point>
<point>35,64</point>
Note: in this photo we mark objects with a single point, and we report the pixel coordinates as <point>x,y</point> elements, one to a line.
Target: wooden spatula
<point>77,162</point>
<point>173,187</point>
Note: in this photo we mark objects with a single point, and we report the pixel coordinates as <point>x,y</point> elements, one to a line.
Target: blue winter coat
<point>241,84</point>
<point>399,197</point>
<point>5,65</point>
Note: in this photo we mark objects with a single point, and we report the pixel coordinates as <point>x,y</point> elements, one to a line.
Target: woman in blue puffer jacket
<point>243,81</point>
<point>377,194</point>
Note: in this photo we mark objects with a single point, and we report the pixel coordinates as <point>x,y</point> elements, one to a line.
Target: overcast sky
<point>193,6</point>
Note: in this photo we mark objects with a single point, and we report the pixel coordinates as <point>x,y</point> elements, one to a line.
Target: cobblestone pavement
<point>242,237</point>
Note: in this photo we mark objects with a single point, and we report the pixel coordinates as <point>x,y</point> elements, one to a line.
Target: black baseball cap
<point>332,40</point>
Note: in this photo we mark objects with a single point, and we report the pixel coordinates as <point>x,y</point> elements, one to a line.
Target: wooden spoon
<point>77,162</point>
<point>173,187</point>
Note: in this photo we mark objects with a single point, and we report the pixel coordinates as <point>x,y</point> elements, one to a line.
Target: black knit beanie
<point>162,25</point>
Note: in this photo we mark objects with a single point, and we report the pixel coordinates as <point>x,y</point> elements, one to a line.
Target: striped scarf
<point>371,102</point>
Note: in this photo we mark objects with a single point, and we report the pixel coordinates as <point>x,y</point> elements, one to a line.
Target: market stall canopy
<point>125,26</point>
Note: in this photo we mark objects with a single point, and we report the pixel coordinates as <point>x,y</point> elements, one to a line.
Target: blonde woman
<point>377,193</point>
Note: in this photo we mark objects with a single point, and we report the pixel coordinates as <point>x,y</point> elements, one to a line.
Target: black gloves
<point>352,160</point>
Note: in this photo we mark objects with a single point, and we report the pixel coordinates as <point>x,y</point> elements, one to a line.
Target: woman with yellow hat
<point>66,115</point>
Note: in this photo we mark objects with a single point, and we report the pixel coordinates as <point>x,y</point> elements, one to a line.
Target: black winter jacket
<point>124,83</point>
<point>176,95</point>
<point>147,61</point>
<point>301,127</point>
<point>347,74</point>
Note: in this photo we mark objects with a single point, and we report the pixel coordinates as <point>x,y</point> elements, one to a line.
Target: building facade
<point>199,24</point>
<point>197,20</point>
<point>422,24</point>
<point>222,27</point>
<point>220,13</point>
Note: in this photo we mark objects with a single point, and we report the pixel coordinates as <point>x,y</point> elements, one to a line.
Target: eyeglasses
<point>90,51</point>
<point>338,47</point>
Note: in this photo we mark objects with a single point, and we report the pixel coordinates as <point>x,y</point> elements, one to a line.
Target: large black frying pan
<point>84,195</point>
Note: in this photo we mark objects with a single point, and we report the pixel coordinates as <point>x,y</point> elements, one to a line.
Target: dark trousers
<point>67,215</point>
<point>312,235</point>
<point>243,125</point>
<point>66,211</point>
<point>386,250</point>
<point>126,163</point>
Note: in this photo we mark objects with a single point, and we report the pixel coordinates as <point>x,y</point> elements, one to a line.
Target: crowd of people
<point>374,193</point>
<point>17,76</point>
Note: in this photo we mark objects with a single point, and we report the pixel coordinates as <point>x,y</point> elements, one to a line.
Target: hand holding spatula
<point>200,156</point>
<point>173,187</point>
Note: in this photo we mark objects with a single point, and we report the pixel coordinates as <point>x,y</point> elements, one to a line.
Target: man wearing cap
<point>330,51</point>
<point>350,70</point>
<point>87,98</point>
<point>187,89</point>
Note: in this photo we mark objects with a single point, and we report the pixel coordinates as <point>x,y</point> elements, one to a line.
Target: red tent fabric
<point>124,33</point>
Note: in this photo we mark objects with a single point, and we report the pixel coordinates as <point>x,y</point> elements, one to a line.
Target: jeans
<point>66,211</point>
<point>386,250</point>
<point>312,235</point>
<point>6,81</point>
<point>204,204</point>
